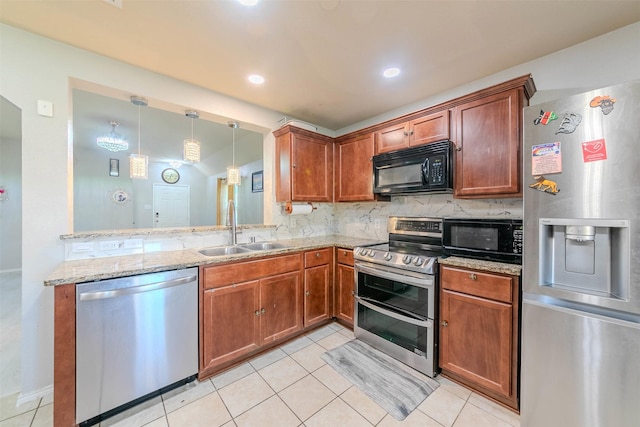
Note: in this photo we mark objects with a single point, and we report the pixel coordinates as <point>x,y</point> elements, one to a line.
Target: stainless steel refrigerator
<point>581,279</point>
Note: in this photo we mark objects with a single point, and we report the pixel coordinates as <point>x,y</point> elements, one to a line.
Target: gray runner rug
<point>378,376</point>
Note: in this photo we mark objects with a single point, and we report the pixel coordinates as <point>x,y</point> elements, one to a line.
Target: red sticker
<point>593,151</point>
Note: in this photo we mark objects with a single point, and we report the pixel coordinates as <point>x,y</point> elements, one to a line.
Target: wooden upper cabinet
<point>488,139</point>
<point>354,169</point>
<point>423,130</point>
<point>304,166</point>
<point>430,128</point>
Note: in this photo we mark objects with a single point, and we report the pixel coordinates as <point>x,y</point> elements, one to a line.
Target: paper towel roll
<point>299,209</point>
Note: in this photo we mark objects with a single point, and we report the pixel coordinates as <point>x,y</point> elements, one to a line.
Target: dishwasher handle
<point>90,296</point>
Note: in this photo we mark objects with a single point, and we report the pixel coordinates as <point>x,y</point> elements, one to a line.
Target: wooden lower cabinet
<point>479,331</point>
<point>246,306</point>
<point>344,286</point>
<point>230,323</point>
<point>318,286</point>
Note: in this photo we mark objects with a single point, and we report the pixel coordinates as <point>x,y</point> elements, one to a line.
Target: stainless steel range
<point>396,292</point>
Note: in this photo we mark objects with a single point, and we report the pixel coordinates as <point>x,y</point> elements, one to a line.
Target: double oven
<point>396,292</point>
<point>397,284</point>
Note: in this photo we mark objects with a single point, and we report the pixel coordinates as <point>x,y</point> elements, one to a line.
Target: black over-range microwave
<point>483,238</point>
<point>423,169</point>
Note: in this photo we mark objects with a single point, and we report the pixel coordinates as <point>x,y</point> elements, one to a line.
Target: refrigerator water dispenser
<point>586,256</point>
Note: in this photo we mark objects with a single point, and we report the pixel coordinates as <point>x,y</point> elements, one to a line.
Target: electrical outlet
<point>109,245</point>
<point>132,243</point>
<point>82,247</point>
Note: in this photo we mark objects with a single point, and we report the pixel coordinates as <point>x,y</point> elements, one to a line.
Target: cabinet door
<point>476,340</point>
<point>312,169</point>
<point>392,138</point>
<point>317,294</point>
<point>344,293</point>
<point>430,128</point>
<point>230,323</point>
<point>280,306</point>
<point>354,169</point>
<point>488,136</point>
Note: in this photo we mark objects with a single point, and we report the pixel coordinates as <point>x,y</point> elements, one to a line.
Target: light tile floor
<point>289,386</point>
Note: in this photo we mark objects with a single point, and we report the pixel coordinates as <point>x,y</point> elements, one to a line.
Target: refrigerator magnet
<point>592,151</point>
<point>546,158</point>
<point>545,185</point>
<point>545,117</point>
<point>569,123</point>
<point>604,102</point>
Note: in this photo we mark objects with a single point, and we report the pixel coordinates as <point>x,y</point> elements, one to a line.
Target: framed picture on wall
<point>256,182</point>
<point>114,167</point>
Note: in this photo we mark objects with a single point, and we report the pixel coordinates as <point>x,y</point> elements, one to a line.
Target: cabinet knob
<point>344,253</point>
<point>405,133</point>
<point>444,323</point>
<point>473,276</point>
<point>307,293</point>
<point>293,166</point>
<point>411,133</point>
<point>262,311</point>
<point>317,254</point>
<point>257,312</point>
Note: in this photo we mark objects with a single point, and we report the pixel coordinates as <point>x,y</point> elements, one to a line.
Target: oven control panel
<point>418,263</point>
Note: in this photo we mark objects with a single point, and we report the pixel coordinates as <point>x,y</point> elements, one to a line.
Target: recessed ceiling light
<point>248,2</point>
<point>391,72</point>
<point>256,79</point>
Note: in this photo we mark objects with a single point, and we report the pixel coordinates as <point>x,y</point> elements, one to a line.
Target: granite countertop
<point>478,264</point>
<point>87,270</point>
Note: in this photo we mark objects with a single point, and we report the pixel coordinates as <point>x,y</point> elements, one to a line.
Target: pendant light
<point>233,172</point>
<point>138,163</point>
<point>191,151</point>
<point>112,140</point>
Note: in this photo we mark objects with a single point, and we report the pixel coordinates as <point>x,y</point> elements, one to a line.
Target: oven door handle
<point>397,277</point>
<point>424,323</point>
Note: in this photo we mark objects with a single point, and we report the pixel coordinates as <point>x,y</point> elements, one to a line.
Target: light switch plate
<point>45,108</point>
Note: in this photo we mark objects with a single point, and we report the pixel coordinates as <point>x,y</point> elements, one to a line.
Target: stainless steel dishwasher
<point>134,336</point>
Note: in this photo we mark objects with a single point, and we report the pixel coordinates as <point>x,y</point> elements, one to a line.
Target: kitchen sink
<point>263,246</point>
<point>241,249</point>
<point>224,250</point>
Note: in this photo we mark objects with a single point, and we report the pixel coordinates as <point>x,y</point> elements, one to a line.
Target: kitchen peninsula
<point>71,272</point>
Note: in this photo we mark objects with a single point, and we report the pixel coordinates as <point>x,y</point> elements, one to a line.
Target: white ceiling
<point>322,60</point>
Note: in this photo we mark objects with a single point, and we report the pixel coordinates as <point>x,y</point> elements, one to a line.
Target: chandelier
<point>112,140</point>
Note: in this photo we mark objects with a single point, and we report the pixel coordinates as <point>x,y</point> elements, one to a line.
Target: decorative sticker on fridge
<point>593,151</point>
<point>546,158</point>
<point>545,117</point>
<point>545,185</point>
<point>604,102</point>
<point>569,123</point>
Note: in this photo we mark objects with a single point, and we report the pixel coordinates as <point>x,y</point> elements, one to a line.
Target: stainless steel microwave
<point>493,239</point>
<point>423,169</point>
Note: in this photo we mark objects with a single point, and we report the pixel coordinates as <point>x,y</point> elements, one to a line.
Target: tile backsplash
<point>362,219</point>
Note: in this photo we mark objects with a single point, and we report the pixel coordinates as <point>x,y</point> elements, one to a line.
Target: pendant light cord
<point>233,155</point>
<point>138,130</point>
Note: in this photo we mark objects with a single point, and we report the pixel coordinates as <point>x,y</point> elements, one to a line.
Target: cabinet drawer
<point>216,276</point>
<point>317,257</point>
<point>482,284</point>
<point>344,256</point>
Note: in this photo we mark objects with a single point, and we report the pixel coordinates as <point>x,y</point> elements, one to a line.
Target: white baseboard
<point>36,394</point>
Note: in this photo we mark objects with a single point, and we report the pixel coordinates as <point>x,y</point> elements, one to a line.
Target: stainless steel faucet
<point>233,221</point>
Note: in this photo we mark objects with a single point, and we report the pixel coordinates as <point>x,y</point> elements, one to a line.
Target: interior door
<point>171,205</point>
